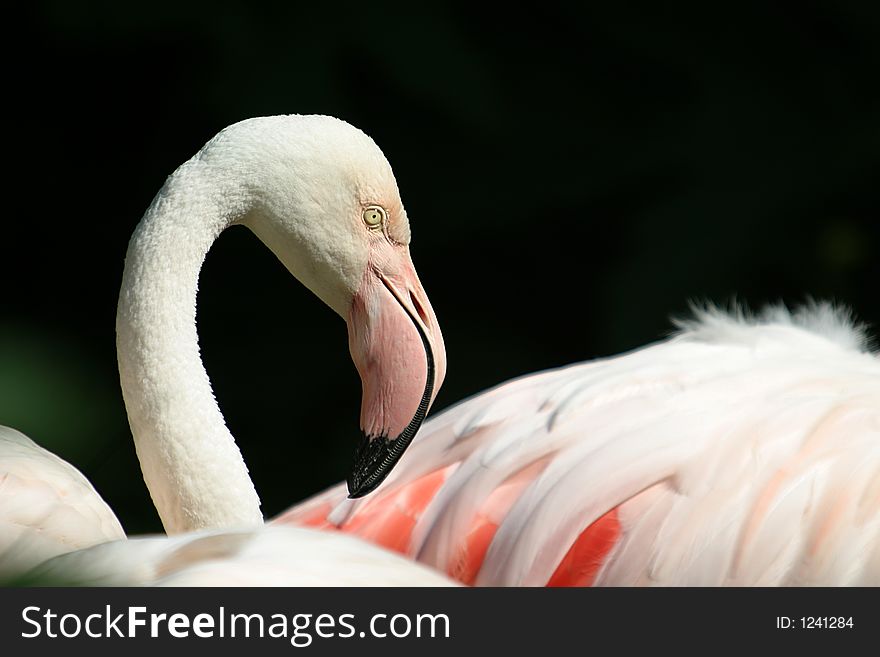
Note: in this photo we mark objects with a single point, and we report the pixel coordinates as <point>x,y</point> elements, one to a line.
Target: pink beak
<point>398,350</point>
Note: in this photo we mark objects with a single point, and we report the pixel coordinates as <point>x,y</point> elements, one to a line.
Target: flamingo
<point>742,450</point>
<point>321,195</point>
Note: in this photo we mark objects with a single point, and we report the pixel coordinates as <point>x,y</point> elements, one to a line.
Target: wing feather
<point>741,451</point>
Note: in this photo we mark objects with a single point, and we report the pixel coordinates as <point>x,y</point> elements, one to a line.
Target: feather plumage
<point>743,450</point>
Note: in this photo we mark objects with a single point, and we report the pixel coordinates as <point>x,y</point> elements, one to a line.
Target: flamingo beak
<point>398,350</point>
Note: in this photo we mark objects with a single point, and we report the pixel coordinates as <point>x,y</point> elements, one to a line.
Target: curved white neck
<point>191,464</point>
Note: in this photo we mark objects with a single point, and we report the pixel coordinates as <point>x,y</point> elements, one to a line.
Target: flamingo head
<point>343,232</point>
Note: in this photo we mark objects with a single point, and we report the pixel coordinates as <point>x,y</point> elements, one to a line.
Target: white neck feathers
<point>191,464</point>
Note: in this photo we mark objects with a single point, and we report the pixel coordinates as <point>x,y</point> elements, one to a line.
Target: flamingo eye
<point>374,217</point>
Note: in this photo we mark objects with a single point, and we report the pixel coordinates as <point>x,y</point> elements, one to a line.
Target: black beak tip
<point>356,487</point>
<point>373,460</point>
<point>354,490</point>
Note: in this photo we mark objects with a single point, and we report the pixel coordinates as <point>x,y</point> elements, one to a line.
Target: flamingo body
<point>738,452</point>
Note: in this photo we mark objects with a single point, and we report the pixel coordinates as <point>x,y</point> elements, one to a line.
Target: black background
<point>573,176</point>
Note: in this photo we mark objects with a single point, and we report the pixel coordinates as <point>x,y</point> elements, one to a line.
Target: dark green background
<point>573,177</point>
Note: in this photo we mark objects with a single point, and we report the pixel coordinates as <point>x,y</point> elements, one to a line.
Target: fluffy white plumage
<point>740,451</point>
